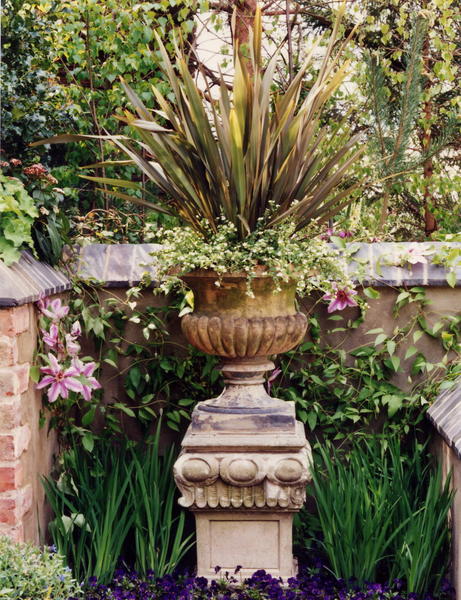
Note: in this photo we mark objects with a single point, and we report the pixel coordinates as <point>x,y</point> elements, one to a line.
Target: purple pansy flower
<point>60,380</point>
<point>340,298</point>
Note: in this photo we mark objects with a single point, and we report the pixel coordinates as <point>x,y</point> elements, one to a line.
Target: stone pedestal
<point>243,471</point>
<point>245,460</point>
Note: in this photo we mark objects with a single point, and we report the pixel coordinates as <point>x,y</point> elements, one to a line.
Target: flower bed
<point>311,584</point>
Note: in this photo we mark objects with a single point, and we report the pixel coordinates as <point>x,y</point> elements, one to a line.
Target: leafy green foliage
<point>340,393</point>
<point>382,513</point>
<point>159,537</point>
<point>17,214</point>
<point>29,572</point>
<point>32,104</point>
<point>280,250</point>
<point>105,497</point>
<point>91,45</point>
<point>386,34</point>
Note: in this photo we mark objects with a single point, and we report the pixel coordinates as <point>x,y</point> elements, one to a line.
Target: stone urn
<point>245,460</point>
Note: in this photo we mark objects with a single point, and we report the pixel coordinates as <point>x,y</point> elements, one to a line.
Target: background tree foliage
<point>427,197</point>
<point>92,45</point>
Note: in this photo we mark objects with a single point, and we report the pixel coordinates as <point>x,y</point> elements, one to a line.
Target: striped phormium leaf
<point>252,156</point>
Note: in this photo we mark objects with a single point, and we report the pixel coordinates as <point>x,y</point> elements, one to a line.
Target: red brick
<point>8,351</point>
<point>15,533</point>
<point>14,505</point>
<point>10,414</point>
<point>14,320</point>
<point>13,444</point>
<point>11,477</point>
<point>8,512</point>
<point>13,381</point>
<point>22,373</point>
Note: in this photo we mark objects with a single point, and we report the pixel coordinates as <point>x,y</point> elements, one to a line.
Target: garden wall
<point>26,449</point>
<point>116,268</point>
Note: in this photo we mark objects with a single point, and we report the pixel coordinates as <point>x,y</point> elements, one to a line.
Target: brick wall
<point>26,451</point>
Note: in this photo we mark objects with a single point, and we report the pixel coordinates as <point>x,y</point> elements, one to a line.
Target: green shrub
<point>383,514</point>
<point>28,572</point>
<point>17,213</point>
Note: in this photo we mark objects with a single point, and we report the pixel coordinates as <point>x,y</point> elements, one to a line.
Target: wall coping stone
<point>28,280</point>
<point>123,265</point>
<point>445,415</point>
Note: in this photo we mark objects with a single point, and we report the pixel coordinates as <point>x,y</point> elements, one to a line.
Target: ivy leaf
<point>312,420</point>
<point>394,403</point>
<point>88,417</point>
<point>390,345</point>
<point>126,409</point>
<point>34,373</point>
<point>134,377</point>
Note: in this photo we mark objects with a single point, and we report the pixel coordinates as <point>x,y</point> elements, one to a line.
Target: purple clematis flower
<point>86,370</point>
<point>53,309</point>
<point>60,380</point>
<point>340,298</point>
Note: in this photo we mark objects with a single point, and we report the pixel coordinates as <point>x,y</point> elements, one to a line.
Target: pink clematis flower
<point>60,380</point>
<point>51,337</point>
<point>272,377</point>
<point>72,346</point>
<point>416,253</point>
<point>339,299</point>
<point>86,370</point>
<point>53,309</point>
<point>76,330</point>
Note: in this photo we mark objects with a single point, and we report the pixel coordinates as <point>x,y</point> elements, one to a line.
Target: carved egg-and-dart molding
<point>243,480</point>
<point>239,337</point>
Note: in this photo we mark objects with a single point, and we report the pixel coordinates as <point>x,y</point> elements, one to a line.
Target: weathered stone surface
<point>118,265</point>
<point>122,265</point>
<point>243,479</point>
<point>252,540</point>
<point>27,281</point>
<point>239,337</point>
<point>445,415</point>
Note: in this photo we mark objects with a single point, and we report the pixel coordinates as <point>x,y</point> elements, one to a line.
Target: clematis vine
<point>406,255</point>
<point>63,370</point>
<point>340,298</point>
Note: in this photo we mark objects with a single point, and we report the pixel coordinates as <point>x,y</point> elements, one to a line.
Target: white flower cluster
<point>283,252</point>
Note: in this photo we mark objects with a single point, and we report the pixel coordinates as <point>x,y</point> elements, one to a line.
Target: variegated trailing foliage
<point>254,157</point>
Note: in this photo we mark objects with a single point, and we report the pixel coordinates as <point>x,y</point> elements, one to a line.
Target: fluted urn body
<point>239,319</point>
<point>245,460</point>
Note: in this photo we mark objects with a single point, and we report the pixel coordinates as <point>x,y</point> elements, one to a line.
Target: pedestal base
<point>251,540</point>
